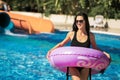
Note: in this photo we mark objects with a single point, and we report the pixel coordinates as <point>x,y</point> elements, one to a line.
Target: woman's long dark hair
<point>75,28</point>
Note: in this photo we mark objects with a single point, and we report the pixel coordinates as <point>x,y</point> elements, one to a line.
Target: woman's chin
<point>80,27</point>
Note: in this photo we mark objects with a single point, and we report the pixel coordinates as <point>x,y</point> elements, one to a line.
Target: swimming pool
<point>24,58</point>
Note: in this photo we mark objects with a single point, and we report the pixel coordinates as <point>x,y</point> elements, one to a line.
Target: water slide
<point>31,24</point>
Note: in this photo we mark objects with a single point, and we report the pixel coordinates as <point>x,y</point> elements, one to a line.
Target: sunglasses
<point>80,21</point>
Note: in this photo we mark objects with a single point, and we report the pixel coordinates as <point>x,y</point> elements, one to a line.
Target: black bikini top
<point>75,42</point>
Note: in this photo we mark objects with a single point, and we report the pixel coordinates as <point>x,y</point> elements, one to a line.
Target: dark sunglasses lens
<point>80,21</point>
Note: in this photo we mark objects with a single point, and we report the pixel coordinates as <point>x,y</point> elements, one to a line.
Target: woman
<point>82,37</point>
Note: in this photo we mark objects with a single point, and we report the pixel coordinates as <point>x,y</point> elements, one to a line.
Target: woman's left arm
<point>93,42</point>
<point>94,46</point>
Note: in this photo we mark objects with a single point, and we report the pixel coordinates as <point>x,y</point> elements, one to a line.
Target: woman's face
<point>80,22</point>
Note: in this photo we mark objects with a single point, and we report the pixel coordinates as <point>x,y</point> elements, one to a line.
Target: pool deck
<point>59,23</point>
<point>68,27</point>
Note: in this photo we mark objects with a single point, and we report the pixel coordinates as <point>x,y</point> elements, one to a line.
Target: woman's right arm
<point>66,40</point>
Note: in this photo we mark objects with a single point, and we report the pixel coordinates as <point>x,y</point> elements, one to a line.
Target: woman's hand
<point>107,54</point>
<point>48,55</point>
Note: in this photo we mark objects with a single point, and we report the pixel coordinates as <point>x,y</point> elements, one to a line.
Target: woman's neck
<point>82,32</point>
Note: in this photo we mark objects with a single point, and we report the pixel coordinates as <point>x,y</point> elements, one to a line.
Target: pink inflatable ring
<point>64,57</point>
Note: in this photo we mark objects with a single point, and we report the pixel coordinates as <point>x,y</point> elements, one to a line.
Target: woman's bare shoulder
<point>70,32</point>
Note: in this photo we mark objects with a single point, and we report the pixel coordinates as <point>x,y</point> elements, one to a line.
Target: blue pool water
<point>24,58</point>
